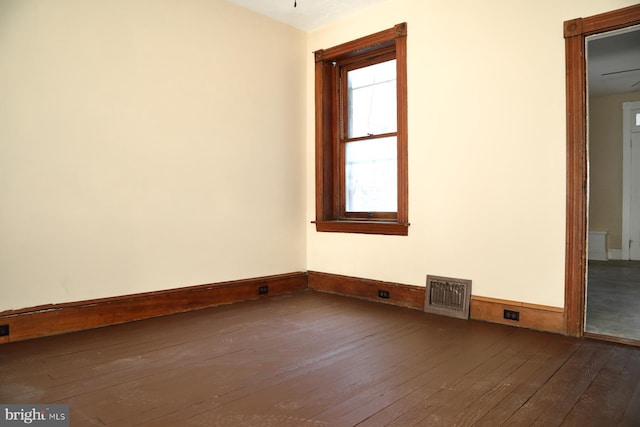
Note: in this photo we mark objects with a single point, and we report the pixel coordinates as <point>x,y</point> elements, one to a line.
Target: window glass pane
<point>371,175</point>
<point>637,119</point>
<point>371,99</point>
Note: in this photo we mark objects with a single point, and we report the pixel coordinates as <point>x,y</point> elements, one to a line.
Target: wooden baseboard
<point>55,319</point>
<point>61,318</point>
<point>532,316</point>
<point>401,295</point>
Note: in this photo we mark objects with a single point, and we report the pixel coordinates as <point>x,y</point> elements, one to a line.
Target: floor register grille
<point>448,296</point>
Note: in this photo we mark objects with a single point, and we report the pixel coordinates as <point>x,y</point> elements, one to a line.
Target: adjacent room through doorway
<point>613,103</point>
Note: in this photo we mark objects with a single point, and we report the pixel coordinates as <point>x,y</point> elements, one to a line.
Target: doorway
<point>575,32</point>
<point>613,278</point>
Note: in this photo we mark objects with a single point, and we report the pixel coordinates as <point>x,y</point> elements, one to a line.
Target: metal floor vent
<point>447,296</point>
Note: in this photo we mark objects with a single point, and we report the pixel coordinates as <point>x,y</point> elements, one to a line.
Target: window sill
<point>363,227</point>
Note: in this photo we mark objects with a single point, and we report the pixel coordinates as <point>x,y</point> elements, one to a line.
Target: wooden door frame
<point>575,33</point>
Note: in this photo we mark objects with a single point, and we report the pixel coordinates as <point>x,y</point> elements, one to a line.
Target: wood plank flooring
<point>313,359</point>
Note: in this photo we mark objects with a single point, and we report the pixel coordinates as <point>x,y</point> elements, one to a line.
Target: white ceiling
<point>308,15</point>
<point>614,62</point>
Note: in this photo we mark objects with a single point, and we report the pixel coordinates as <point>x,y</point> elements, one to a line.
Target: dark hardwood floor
<point>313,359</point>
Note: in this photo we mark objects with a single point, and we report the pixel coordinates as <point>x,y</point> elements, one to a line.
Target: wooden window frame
<point>330,212</point>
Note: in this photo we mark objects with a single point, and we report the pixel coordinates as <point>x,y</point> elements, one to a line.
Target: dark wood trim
<point>573,28</point>
<point>532,316</point>
<point>363,227</point>
<point>325,136</point>
<point>403,133</point>
<point>329,182</point>
<point>575,32</point>
<point>612,20</point>
<point>55,319</point>
<point>360,46</point>
<point>576,205</point>
<point>401,295</point>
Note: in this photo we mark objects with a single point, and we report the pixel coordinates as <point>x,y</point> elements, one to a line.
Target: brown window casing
<point>330,199</point>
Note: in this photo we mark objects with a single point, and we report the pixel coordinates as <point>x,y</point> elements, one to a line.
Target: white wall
<point>146,145</point>
<point>487,144</point>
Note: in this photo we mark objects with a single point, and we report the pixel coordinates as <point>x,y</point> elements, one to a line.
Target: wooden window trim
<point>329,215</point>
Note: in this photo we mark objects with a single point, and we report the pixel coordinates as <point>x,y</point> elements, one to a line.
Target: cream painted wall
<point>487,143</point>
<point>605,165</point>
<point>146,145</point>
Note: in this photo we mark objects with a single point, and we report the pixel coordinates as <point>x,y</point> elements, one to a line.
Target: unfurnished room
<point>319,213</point>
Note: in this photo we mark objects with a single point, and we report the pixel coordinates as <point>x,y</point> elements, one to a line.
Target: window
<point>361,135</point>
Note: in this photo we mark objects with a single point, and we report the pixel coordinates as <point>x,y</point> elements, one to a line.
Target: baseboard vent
<point>447,296</point>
